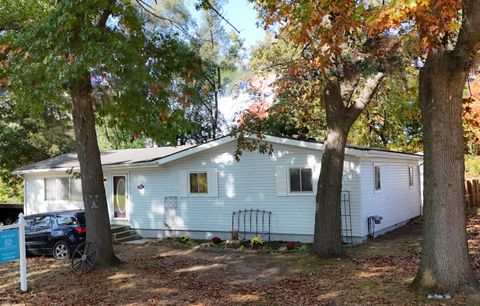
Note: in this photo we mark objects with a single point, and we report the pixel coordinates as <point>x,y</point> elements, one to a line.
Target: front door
<point>120,197</point>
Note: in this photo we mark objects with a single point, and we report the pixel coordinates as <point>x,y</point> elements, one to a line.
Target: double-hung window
<point>301,180</point>
<point>63,189</point>
<point>199,183</point>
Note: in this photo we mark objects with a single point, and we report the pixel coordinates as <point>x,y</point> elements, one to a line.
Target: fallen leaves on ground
<point>377,272</point>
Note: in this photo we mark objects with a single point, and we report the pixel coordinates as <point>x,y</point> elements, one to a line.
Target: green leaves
<point>142,81</point>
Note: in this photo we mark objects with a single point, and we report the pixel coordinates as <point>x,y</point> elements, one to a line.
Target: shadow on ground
<point>377,273</point>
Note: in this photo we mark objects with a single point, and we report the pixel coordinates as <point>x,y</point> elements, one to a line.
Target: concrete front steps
<point>123,233</point>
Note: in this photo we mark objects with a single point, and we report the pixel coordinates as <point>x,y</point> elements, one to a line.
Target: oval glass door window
<point>119,197</point>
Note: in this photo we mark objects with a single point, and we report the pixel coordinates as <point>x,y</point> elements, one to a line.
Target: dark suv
<point>56,233</point>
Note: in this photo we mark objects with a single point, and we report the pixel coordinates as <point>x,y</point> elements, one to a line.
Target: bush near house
<point>216,240</point>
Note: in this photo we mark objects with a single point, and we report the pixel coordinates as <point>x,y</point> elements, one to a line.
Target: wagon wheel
<point>84,257</point>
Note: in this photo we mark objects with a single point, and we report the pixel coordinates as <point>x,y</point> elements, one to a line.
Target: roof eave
<point>105,167</point>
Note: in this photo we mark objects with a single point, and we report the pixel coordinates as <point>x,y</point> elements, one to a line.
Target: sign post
<point>12,247</point>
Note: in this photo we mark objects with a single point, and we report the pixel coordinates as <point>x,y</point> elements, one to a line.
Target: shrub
<point>185,238</point>
<point>216,240</point>
<point>291,246</point>
<point>256,241</point>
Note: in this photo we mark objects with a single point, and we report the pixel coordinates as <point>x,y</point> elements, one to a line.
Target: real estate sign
<point>9,245</point>
<point>12,247</point>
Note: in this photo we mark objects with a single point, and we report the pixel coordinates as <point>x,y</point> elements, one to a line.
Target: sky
<point>242,15</point>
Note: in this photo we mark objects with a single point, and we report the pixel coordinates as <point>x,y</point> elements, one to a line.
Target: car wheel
<point>61,250</point>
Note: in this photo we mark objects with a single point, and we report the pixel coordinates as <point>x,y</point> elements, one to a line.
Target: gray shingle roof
<point>109,158</point>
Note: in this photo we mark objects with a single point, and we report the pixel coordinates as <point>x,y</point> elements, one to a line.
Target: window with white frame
<point>301,180</point>
<point>378,177</point>
<point>198,183</point>
<point>410,176</point>
<point>63,189</point>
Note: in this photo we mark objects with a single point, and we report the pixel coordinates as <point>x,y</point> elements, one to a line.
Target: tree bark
<point>445,264</point>
<point>93,190</point>
<point>327,239</point>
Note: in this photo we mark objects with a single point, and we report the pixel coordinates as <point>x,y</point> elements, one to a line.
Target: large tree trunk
<point>327,236</point>
<point>340,115</point>
<point>93,190</point>
<point>445,264</point>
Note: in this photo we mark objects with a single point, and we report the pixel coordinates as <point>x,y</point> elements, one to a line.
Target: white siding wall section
<point>396,202</point>
<point>258,181</point>
<point>252,183</point>
<point>35,197</point>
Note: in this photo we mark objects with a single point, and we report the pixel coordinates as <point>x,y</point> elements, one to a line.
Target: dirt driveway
<point>375,273</point>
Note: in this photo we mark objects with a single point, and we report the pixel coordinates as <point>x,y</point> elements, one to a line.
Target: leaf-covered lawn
<point>377,272</point>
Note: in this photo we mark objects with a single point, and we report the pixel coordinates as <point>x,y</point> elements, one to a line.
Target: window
<point>41,222</point>
<point>63,189</point>
<point>76,190</point>
<point>50,189</point>
<point>378,179</point>
<point>301,180</point>
<point>66,220</point>
<point>198,182</point>
<point>410,176</point>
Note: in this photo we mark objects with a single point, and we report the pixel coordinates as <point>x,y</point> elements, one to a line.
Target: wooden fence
<point>472,194</point>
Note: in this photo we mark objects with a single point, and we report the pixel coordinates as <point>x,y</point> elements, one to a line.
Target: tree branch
<point>209,5</point>
<point>102,21</point>
<point>9,26</point>
<point>145,6</point>
<point>469,35</point>
<point>367,93</point>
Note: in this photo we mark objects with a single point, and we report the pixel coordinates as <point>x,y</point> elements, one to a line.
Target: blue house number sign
<point>9,248</point>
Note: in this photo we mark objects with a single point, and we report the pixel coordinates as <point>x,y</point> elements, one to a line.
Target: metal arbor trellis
<point>251,221</point>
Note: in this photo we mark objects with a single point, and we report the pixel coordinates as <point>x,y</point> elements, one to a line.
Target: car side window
<point>66,220</point>
<point>29,222</point>
<point>42,222</point>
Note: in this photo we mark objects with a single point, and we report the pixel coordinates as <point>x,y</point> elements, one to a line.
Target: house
<point>196,189</point>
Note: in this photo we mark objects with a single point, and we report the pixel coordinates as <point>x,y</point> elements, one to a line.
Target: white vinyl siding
<point>258,181</point>
<point>36,200</point>
<point>397,202</point>
<point>281,180</point>
<point>183,183</point>
<point>212,178</point>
